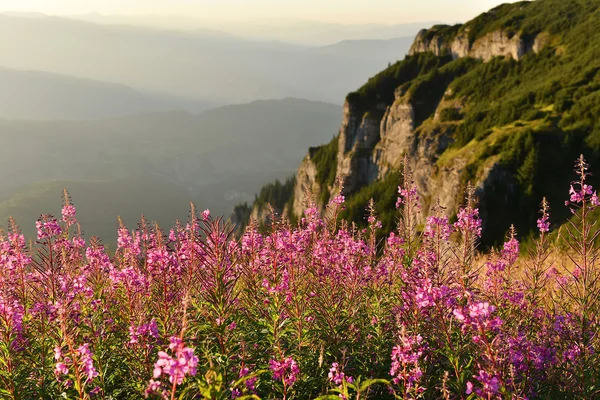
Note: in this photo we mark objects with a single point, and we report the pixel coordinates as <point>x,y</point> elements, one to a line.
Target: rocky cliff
<point>494,44</point>
<point>369,148</point>
<point>486,102</point>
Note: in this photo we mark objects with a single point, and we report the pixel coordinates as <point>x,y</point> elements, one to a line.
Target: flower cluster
<point>177,366</point>
<point>468,221</point>
<point>337,376</point>
<point>405,362</point>
<point>193,312</point>
<point>81,360</point>
<point>149,330</point>
<point>286,371</point>
<point>47,228</point>
<point>407,194</point>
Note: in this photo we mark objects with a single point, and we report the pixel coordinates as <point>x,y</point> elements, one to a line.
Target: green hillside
<point>534,115</point>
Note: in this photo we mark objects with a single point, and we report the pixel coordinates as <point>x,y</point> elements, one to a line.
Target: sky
<point>333,11</point>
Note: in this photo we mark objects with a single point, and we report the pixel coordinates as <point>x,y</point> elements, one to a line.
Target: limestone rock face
<point>498,44</point>
<point>437,45</point>
<point>397,129</point>
<point>369,149</point>
<point>358,131</point>
<point>493,44</point>
<point>306,182</point>
<point>540,41</point>
<point>460,46</point>
<point>358,135</point>
<point>423,147</point>
<point>371,145</point>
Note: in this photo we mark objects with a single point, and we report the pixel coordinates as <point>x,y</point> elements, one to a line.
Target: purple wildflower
<point>182,363</point>
<point>286,371</point>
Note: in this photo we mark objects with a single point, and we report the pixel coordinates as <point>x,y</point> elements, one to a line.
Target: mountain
<point>324,33</point>
<point>155,163</point>
<point>167,22</point>
<point>506,101</point>
<point>35,95</point>
<point>196,65</point>
<point>380,52</point>
<point>305,33</point>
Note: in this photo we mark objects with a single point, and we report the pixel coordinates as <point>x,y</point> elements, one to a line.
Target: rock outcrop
<point>306,183</point>
<point>373,144</point>
<point>358,135</point>
<point>426,42</point>
<point>494,44</point>
<point>458,119</point>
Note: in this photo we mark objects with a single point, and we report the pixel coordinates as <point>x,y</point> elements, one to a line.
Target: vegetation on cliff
<point>531,117</point>
<point>276,194</point>
<point>325,160</point>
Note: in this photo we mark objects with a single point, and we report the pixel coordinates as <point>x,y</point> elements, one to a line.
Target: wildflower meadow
<point>318,310</point>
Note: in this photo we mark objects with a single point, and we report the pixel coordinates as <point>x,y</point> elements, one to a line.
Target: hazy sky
<point>342,11</point>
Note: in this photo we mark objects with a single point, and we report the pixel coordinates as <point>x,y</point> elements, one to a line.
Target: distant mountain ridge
<point>37,95</point>
<point>192,65</point>
<point>305,33</point>
<point>154,163</point>
<point>506,101</point>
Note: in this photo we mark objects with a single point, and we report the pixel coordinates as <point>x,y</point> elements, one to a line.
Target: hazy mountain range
<point>155,163</point>
<point>308,33</point>
<point>190,65</point>
<point>131,116</point>
<point>34,95</point>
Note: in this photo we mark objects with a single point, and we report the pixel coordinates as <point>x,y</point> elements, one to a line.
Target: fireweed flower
<point>47,228</point>
<point>128,243</point>
<point>510,250</point>
<point>405,362</point>
<point>144,331</point>
<point>339,200</point>
<point>374,222</point>
<point>85,358</point>
<point>481,310</point>
<point>82,356</point>
<point>286,371</point>
<point>490,385</point>
<point>594,200</point>
<point>97,259</point>
<point>578,196</point>
<point>469,221</point>
<point>424,294</point>
<point>337,376</point>
<point>407,194</point>
<point>478,318</point>
<point>11,322</point>
<point>68,214</point>
<point>543,224</point>
<point>61,369</point>
<point>183,362</point>
<point>438,224</point>
<point>250,383</point>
